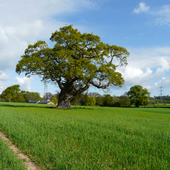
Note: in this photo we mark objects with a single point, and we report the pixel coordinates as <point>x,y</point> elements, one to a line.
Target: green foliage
<point>14,94</point>
<point>108,100</point>
<point>165,102</point>
<point>117,103</point>
<point>32,96</point>
<point>90,101</point>
<point>89,137</point>
<point>111,101</point>
<point>79,99</point>
<point>10,93</point>
<point>75,62</point>
<point>164,97</point>
<point>138,95</point>
<point>20,98</point>
<point>99,100</point>
<point>124,101</point>
<point>54,100</point>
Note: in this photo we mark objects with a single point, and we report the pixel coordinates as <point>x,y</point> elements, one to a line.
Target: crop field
<point>89,137</point>
<point>8,160</point>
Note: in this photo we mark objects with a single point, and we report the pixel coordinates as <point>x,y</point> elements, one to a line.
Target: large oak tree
<point>75,62</point>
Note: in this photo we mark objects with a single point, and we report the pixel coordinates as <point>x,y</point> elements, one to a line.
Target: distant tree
<point>24,93</point>
<point>8,97</point>
<point>90,101</point>
<point>124,101</point>
<point>163,97</point>
<point>79,99</point>
<point>32,96</point>
<point>138,95</point>
<point>165,102</point>
<point>54,100</point>
<point>117,103</point>
<point>20,98</point>
<point>10,93</point>
<point>109,100</point>
<point>99,100</point>
<point>29,96</point>
<point>84,99</point>
<point>75,62</point>
<point>48,95</point>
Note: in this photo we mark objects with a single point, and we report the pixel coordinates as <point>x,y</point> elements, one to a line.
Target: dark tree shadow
<point>40,106</point>
<point>22,105</point>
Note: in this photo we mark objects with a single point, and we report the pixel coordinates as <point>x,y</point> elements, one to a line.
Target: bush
<point>124,101</point>
<point>99,101</point>
<point>90,101</point>
<point>79,99</point>
<point>117,104</point>
<point>111,101</point>
<point>20,98</point>
<point>108,101</point>
<point>54,100</point>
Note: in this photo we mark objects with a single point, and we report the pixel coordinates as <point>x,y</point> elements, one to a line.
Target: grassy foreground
<point>8,160</point>
<point>90,137</point>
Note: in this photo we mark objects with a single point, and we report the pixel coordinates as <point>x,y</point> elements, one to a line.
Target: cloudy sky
<point>142,27</point>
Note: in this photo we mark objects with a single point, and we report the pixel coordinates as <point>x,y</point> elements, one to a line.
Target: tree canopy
<point>138,95</point>
<point>75,62</point>
<point>124,101</point>
<point>14,94</point>
<point>10,93</point>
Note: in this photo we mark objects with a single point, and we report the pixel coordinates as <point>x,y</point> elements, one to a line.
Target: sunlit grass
<point>8,160</point>
<point>90,137</point>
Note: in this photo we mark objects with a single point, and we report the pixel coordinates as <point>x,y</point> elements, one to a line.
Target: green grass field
<point>8,160</point>
<point>90,137</point>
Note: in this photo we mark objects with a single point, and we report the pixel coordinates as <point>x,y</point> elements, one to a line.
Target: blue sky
<point>142,27</point>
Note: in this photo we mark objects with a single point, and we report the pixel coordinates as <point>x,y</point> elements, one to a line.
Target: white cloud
<point>136,75</point>
<point>146,65</point>
<point>161,14</point>
<point>24,82</point>
<point>3,76</point>
<point>25,22</point>
<point>164,83</point>
<point>142,8</point>
<point>1,87</point>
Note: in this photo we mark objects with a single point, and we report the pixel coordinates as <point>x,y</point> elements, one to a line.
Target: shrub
<point>90,101</point>
<point>124,101</point>
<point>54,100</point>
<point>99,101</point>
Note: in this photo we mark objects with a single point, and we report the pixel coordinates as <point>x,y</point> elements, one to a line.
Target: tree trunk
<point>64,100</point>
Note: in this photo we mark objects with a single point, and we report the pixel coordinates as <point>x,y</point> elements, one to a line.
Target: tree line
<point>137,95</point>
<point>163,97</point>
<point>15,94</point>
<point>95,99</point>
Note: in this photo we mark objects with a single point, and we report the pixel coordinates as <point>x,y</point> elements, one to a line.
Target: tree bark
<point>64,100</point>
